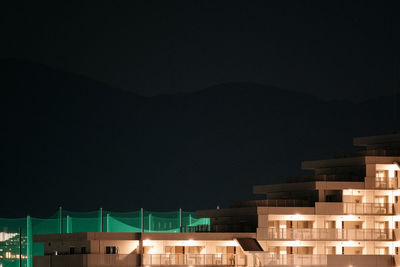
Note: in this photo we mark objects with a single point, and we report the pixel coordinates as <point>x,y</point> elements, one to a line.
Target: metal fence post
<point>20,247</point>
<point>142,219</point>
<point>108,222</point>
<point>60,215</point>
<point>101,219</point>
<point>180,220</point>
<point>150,222</point>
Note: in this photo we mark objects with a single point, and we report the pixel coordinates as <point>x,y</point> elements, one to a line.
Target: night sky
<point>166,105</point>
<point>332,49</point>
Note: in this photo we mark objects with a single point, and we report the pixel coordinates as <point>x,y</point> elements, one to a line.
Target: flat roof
<point>388,139</point>
<point>330,163</point>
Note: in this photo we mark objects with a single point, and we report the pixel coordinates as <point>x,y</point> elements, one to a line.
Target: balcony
<point>368,208</point>
<point>339,208</point>
<point>194,259</point>
<point>265,259</point>
<point>385,183</point>
<point>329,234</point>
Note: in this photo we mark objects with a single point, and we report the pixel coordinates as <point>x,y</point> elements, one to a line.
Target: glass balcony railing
<point>367,208</point>
<point>265,259</point>
<point>329,234</point>
<point>385,183</point>
<point>194,259</point>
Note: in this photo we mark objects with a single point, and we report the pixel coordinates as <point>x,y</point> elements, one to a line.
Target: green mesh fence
<point>16,235</point>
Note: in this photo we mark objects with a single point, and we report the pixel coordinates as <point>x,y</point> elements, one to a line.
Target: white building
<point>346,214</point>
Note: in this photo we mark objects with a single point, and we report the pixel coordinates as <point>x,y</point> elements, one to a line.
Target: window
<point>111,250</point>
<point>381,250</point>
<point>381,174</point>
<point>72,250</point>
<point>179,250</point>
<point>194,249</point>
<point>83,250</point>
<point>381,179</point>
<point>169,250</point>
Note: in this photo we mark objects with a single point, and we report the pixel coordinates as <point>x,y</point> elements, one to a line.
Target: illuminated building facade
<point>347,213</point>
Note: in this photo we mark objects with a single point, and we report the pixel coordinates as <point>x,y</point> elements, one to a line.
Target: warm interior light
<point>147,242</point>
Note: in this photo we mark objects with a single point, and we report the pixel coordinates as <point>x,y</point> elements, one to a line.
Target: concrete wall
<point>328,208</point>
<point>94,260</point>
<point>360,261</point>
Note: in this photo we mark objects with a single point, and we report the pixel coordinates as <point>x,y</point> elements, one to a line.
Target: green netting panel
<point>10,239</point>
<point>188,218</point>
<point>37,249</point>
<point>162,221</point>
<point>200,221</point>
<point>43,226</point>
<point>79,222</point>
<point>191,224</point>
<point>95,221</point>
<point>122,221</point>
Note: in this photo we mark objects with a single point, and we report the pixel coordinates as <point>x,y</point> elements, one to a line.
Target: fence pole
<point>108,222</point>
<point>68,224</point>
<point>101,220</point>
<point>180,220</point>
<point>150,222</point>
<point>60,215</point>
<point>28,241</point>
<point>142,218</point>
<point>20,247</point>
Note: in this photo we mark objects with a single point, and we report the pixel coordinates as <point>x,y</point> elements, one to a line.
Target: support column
<point>141,252</point>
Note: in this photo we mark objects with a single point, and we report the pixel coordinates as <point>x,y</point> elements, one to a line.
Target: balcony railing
<point>329,234</point>
<point>386,183</point>
<point>194,259</point>
<point>265,259</point>
<point>367,208</point>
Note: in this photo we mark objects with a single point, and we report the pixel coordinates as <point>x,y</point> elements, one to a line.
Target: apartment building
<point>346,213</point>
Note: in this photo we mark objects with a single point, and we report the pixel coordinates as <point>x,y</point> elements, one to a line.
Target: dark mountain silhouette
<point>71,141</point>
